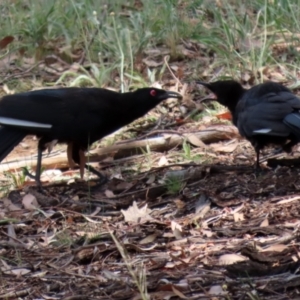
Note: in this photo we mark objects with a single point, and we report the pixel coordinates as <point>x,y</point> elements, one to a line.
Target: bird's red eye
<point>153,93</point>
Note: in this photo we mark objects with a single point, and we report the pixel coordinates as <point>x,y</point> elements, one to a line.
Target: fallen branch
<point>163,143</point>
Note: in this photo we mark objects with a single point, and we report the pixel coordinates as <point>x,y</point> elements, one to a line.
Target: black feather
<point>9,138</point>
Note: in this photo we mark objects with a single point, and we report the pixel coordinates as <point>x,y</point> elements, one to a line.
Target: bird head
<point>156,95</point>
<point>150,97</point>
<point>142,100</point>
<point>228,92</point>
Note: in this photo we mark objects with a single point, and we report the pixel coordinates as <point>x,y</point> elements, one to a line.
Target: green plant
<point>174,185</point>
<point>16,179</point>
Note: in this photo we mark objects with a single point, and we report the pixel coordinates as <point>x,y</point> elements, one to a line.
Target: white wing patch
<point>22,123</point>
<point>263,130</point>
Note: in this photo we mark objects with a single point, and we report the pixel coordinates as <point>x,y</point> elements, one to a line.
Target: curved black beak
<point>170,94</point>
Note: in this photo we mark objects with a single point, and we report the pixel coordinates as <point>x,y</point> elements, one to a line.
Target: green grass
<point>236,37</point>
<point>174,185</point>
<point>113,35</point>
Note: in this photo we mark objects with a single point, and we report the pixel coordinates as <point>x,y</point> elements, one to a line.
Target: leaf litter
<point>224,226</point>
<point>225,234</point>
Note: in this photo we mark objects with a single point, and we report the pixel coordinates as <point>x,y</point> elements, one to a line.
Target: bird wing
<point>265,115</point>
<point>293,122</point>
<point>9,138</point>
<point>66,114</point>
<point>38,110</point>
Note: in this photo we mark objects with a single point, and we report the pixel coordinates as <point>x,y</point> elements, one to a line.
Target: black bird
<point>267,113</point>
<point>76,116</point>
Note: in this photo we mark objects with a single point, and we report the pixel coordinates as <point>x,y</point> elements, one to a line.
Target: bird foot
<point>258,171</point>
<point>27,173</point>
<point>37,180</point>
<point>102,179</point>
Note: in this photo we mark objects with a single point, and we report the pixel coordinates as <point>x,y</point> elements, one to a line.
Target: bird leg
<point>37,176</point>
<point>102,178</point>
<point>51,145</point>
<point>82,163</point>
<point>257,146</point>
<point>69,156</point>
<point>257,160</point>
<point>79,158</point>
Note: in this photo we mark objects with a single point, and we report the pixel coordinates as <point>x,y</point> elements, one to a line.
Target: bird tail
<point>293,122</point>
<point>9,138</point>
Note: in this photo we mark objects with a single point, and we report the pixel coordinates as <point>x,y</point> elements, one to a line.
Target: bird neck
<point>234,98</point>
<point>232,106</point>
<point>137,105</point>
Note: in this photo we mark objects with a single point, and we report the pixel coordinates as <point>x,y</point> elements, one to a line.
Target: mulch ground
<point>228,233</point>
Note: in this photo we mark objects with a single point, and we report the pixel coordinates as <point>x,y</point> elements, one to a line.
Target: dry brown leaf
<point>238,217</point>
<point>124,185</point>
<point>292,223</point>
<point>109,194</point>
<point>152,63</point>
<point>170,265</point>
<point>11,232</point>
<point>148,239</point>
<point>17,272</point>
<point>179,203</point>
<point>110,275</point>
<point>194,140</point>
<point>264,223</point>
<point>201,203</point>
<point>165,295</point>
<point>224,148</point>
<point>177,230</point>
<point>207,233</point>
<point>151,179</point>
<point>10,270</point>
<point>246,76</point>
<point>229,259</point>
<point>135,214</point>
<point>295,257</point>
<point>51,175</point>
<point>6,61</point>
<point>7,90</point>
<point>216,290</point>
<point>178,293</point>
<point>275,247</point>
<point>47,240</point>
<point>180,73</point>
<point>153,52</point>
<point>29,202</point>
<point>9,205</point>
<point>175,225</point>
<point>289,200</point>
<point>163,161</point>
<point>277,77</point>
<point>6,41</point>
